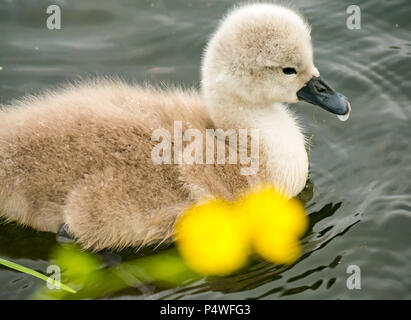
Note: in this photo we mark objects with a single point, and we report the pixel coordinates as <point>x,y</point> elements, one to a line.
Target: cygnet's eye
<point>289,70</point>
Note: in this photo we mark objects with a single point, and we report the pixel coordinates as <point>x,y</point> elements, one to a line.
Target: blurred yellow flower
<point>268,208</point>
<point>216,238</point>
<point>212,238</point>
<point>280,247</point>
<point>276,224</point>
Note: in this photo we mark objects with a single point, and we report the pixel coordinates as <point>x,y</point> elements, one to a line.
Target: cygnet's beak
<point>319,92</point>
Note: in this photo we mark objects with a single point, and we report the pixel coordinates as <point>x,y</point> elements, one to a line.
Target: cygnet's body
<point>82,156</point>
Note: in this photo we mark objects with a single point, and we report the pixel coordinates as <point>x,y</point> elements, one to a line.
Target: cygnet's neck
<point>282,144</point>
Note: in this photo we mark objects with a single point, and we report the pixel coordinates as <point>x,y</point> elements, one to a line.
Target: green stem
<point>39,275</point>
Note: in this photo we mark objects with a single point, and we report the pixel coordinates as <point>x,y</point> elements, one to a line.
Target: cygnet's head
<point>262,54</point>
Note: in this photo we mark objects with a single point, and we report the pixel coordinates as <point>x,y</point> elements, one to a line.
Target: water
<point>361,169</point>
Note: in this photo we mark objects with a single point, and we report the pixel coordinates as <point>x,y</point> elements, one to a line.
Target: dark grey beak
<point>320,93</point>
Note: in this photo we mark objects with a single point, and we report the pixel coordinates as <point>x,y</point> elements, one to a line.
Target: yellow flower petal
<point>269,210</point>
<point>280,248</point>
<point>212,239</point>
<point>276,224</point>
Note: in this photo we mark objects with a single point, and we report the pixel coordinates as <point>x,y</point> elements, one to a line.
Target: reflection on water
<point>360,197</point>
